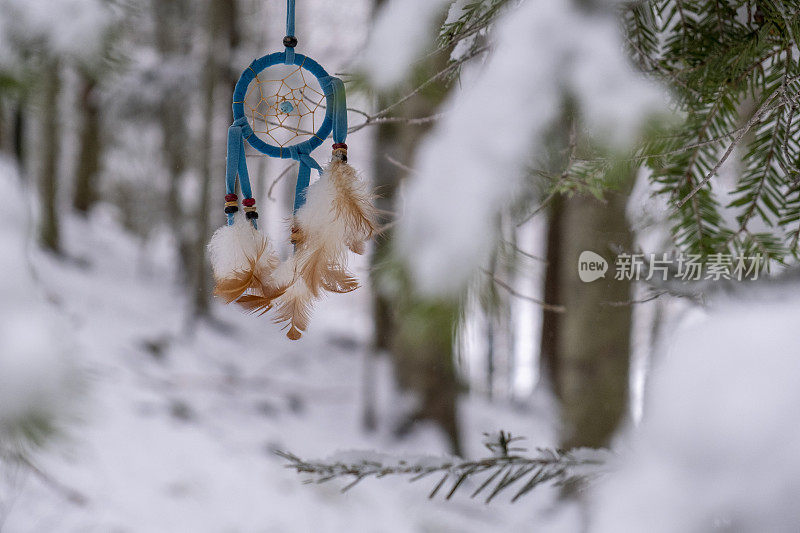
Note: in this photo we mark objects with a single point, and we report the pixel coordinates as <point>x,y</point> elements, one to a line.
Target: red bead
<point>231,197</point>
<point>249,202</point>
<point>339,145</point>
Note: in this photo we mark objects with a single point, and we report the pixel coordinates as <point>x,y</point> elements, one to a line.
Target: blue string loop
<point>290,18</point>
<point>333,88</point>
<point>289,59</point>
<point>303,174</point>
<point>236,162</point>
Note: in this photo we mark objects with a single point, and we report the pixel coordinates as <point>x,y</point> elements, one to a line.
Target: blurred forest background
<point>144,405</point>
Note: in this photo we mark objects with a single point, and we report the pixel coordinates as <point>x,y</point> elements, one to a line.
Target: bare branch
<point>68,493</point>
<point>513,292</point>
<point>400,165</point>
<point>283,174</point>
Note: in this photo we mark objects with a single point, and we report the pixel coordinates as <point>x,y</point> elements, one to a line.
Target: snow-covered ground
<point>175,429</point>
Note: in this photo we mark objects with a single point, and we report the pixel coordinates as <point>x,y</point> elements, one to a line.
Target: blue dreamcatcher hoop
<point>278,111</point>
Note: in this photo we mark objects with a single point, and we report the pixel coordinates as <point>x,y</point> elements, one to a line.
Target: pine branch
<point>506,468</point>
<point>716,61</point>
<point>754,119</point>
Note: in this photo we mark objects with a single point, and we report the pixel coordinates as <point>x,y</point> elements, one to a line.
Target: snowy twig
<point>283,174</point>
<point>70,494</point>
<point>439,75</point>
<point>499,472</point>
<point>374,120</point>
<point>655,295</point>
<point>523,253</point>
<point>755,119</point>
<point>399,165</point>
<point>572,149</point>
<point>539,208</point>
<point>513,292</point>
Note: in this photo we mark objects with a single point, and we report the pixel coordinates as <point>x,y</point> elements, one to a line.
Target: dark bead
<point>231,209</point>
<point>290,41</point>
<point>251,215</point>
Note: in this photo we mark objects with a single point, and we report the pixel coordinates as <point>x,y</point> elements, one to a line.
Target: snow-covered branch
<point>508,466</point>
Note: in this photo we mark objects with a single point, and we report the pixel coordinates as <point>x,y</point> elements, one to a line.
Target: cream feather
<point>353,202</point>
<point>338,215</point>
<point>293,306</point>
<point>243,265</point>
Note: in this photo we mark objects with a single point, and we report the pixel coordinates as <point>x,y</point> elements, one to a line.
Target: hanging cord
<point>290,41</point>
<point>339,120</point>
<point>330,85</point>
<point>236,166</point>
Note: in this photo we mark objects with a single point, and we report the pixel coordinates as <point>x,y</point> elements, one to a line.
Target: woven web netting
<point>284,105</point>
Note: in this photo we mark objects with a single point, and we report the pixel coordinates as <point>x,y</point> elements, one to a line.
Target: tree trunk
<point>85,193</point>
<point>49,236</point>
<point>386,179</point>
<point>585,352</point>
<point>168,17</point>
<point>417,333</point>
<point>4,129</point>
<point>216,73</point>
<point>19,134</point>
<point>594,342</point>
<point>422,352</point>
<point>551,331</point>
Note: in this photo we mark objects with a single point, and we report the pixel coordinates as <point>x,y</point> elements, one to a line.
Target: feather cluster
<point>338,217</point>
<point>244,264</point>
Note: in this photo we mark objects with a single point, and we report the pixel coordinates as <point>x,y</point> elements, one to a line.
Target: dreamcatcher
<point>278,106</point>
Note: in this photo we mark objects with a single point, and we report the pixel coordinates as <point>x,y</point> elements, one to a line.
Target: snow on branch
<point>508,466</point>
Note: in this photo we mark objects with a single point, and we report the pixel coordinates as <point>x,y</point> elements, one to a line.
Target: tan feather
<point>338,281</point>
<point>358,247</point>
<point>231,288</point>
<point>342,216</point>
<point>257,279</point>
<point>314,265</point>
<point>353,202</point>
<point>294,308</point>
<point>271,290</point>
<point>255,304</point>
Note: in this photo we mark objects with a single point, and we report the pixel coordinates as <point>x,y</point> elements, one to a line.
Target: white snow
<point>178,426</point>
<point>471,164</point>
<point>74,28</point>
<point>717,448</point>
<point>401,32</point>
<point>38,372</point>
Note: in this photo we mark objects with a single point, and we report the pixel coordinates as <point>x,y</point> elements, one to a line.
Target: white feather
<point>318,216</point>
<point>232,248</point>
